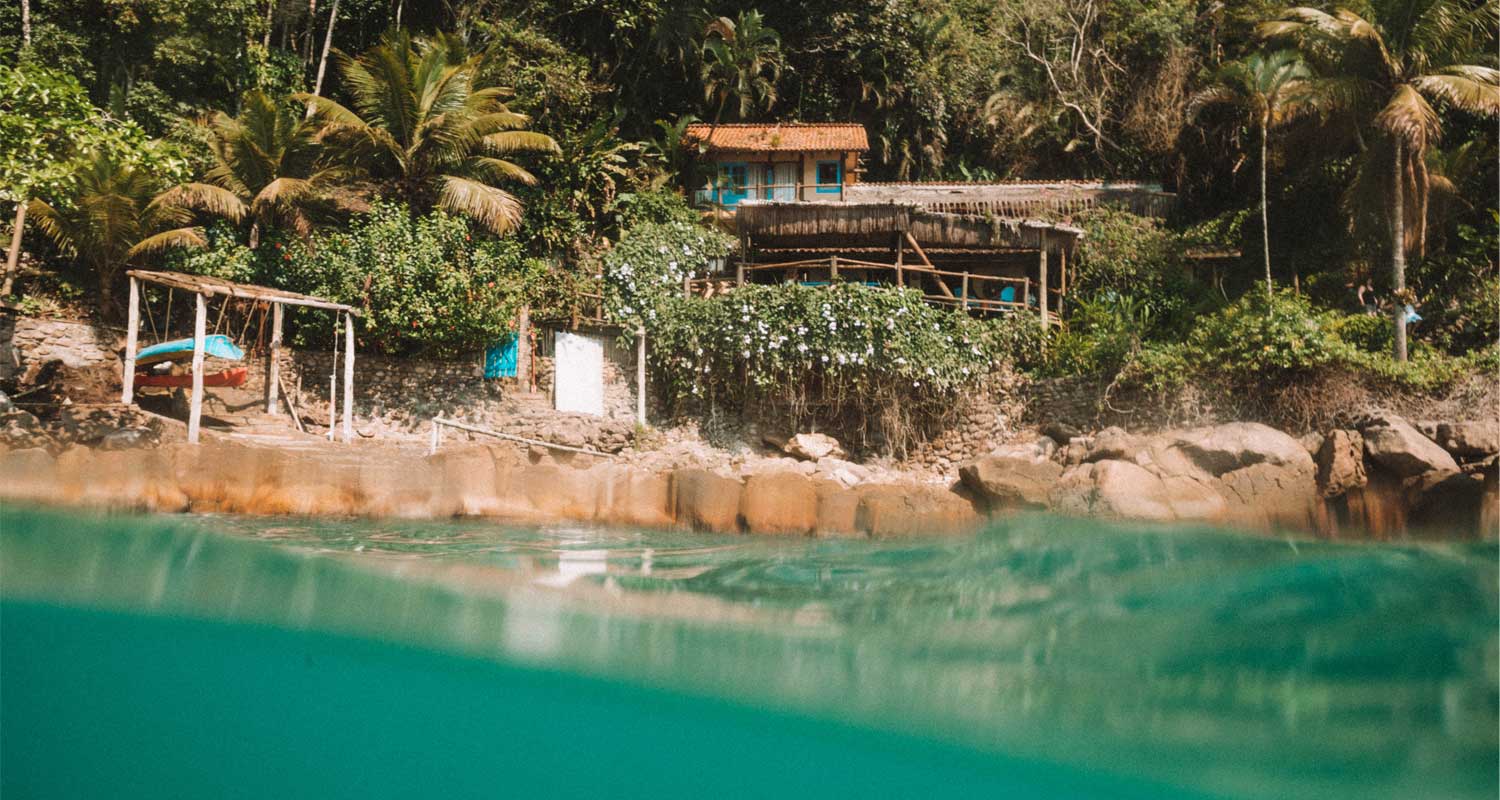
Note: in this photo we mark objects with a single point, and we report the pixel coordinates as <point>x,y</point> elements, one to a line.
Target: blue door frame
<point>733,182</point>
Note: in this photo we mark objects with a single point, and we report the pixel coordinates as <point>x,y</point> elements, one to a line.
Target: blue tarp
<point>217,345</point>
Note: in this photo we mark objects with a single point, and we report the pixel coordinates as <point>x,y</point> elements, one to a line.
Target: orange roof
<point>780,137</point>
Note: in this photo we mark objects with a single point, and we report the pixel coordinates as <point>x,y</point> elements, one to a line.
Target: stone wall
<point>27,341</point>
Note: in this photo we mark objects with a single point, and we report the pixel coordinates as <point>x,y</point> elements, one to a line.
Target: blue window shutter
<point>500,358</point>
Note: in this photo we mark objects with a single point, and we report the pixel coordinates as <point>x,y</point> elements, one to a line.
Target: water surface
<point>1043,658</point>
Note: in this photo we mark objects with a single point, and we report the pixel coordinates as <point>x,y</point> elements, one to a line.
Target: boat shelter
<point>203,289</point>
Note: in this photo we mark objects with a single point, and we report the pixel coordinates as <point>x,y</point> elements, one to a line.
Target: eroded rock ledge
<point>1384,478</point>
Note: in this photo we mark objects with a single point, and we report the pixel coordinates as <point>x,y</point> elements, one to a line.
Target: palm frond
<point>498,169</point>
<point>166,240</point>
<point>1471,88</point>
<point>203,197</point>
<point>507,142</point>
<point>495,209</point>
<point>1409,117</point>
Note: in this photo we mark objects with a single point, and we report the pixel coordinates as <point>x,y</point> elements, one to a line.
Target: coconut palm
<point>268,157</point>
<point>421,126</point>
<point>1267,89</point>
<point>114,216</point>
<point>1384,70</point>
<point>742,60</point>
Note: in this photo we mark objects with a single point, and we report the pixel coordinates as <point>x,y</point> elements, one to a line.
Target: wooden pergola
<point>203,288</point>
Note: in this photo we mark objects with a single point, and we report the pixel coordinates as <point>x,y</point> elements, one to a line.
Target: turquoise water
<point>218,657</point>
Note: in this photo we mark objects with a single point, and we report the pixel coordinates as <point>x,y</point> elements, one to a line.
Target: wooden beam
<point>1042,277</point>
<point>133,322</point>
<point>217,286</point>
<point>833,268</point>
<point>942,286</point>
<point>966,291</point>
<point>273,362</point>
<point>195,404</point>
<point>348,378</point>
<point>523,347</point>
<point>333,384</point>
<point>900,250</point>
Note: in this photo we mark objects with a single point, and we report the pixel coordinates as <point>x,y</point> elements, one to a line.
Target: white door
<point>578,373</point>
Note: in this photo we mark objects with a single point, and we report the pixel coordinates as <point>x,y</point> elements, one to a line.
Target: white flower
<point>825,358</point>
<point>802,347</point>
<point>744,353</point>
<point>930,372</point>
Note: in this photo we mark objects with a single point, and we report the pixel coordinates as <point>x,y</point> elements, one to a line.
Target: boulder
<point>837,510</point>
<point>636,498</point>
<point>1060,432</point>
<point>1125,490</point>
<point>129,439</point>
<point>1267,495</point>
<point>779,502</point>
<point>1223,448</point>
<point>814,446</point>
<point>705,501</point>
<point>897,511</point>
<point>1469,441</point>
<point>1341,463</point>
<point>1113,444</point>
<point>1403,451</point>
<point>1009,481</point>
<point>1444,502</point>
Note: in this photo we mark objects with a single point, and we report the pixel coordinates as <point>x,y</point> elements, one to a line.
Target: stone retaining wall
<point>25,341</point>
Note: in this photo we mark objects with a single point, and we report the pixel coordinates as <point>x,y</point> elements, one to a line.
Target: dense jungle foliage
<point>1338,158</point>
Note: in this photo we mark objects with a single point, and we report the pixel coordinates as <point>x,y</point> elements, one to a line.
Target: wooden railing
<point>715,195</point>
<point>969,296</point>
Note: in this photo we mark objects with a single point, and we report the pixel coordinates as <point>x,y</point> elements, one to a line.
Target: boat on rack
<point>217,345</point>
<point>230,378</point>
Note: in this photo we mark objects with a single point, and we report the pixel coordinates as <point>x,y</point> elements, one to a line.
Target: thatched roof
<point>854,224</point>
<point>1019,199</point>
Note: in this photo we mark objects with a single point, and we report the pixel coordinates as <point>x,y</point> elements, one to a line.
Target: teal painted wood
<point>500,358</point>
<point>217,345</point>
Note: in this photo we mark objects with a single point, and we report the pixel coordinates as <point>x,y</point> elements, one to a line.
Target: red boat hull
<point>228,377</point>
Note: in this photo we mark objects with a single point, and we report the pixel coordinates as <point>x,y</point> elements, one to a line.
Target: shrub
<point>1264,338</point>
<point>880,359</point>
<point>646,269</point>
<point>427,283</point>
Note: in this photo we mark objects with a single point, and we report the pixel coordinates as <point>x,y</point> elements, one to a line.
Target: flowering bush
<point>646,269</point>
<point>881,358</point>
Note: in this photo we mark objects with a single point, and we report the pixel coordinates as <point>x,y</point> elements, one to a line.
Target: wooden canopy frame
<point>202,288</point>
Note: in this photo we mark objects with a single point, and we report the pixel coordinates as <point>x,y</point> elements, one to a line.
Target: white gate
<point>578,373</point>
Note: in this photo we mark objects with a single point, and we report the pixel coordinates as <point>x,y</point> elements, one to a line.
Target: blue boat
<point>217,345</point>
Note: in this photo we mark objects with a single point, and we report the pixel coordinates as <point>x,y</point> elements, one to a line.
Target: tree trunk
<point>333,17</point>
<point>13,255</point>
<point>1265,224</point>
<point>25,24</point>
<point>255,235</point>
<point>1398,252</point>
<point>265,41</point>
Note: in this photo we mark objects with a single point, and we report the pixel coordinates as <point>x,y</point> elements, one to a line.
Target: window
<point>830,177</point>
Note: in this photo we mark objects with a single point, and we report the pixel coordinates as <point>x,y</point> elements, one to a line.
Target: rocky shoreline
<point>1383,478</point>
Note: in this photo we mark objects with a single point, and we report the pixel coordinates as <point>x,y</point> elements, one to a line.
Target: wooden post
<point>127,380</point>
<point>195,404</point>
<point>833,268</point>
<point>966,290</point>
<point>687,286</point>
<point>640,375</point>
<point>1042,276</point>
<point>739,273</point>
<point>348,378</point>
<point>273,362</point>
<point>1026,291</point>
<point>436,438</point>
<point>333,383</point>
<point>523,347</point>
<point>900,251</point>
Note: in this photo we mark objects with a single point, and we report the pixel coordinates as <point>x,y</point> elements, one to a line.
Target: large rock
<point>1125,490</point>
<point>1267,495</point>
<point>1445,502</point>
<point>705,501</point>
<point>1469,441</point>
<point>814,446</point>
<point>1341,463</point>
<point>1009,481</point>
<point>1114,444</point>
<point>780,502</point>
<point>898,511</point>
<point>1403,451</point>
<point>1224,448</point>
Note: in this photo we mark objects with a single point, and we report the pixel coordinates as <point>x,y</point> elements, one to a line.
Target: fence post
<point>1042,276</point>
<point>833,268</point>
<point>966,290</point>
<point>127,379</point>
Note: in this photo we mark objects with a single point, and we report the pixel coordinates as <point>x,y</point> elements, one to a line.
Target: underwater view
<point>205,656</point>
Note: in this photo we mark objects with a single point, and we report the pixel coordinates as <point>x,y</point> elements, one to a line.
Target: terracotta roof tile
<point>786,137</point>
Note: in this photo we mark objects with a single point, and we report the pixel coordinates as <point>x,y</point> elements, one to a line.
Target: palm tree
<point>1383,71</point>
<point>741,59</point>
<point>268,157</point>
<point>114,216</point>
<point>421,126</point>
<point>1267,89</point>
